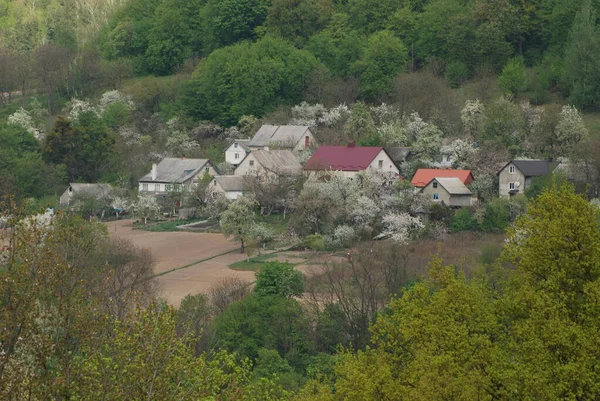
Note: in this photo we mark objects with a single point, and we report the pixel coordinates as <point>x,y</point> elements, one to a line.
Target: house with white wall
<point>175,175</point>
<point>350,160</point>
<point>516,176</point>
<point>292,137</point>
<point>450,191</point>
<point>237,151</point>
<point>77,191</point>
<point>232,186</point>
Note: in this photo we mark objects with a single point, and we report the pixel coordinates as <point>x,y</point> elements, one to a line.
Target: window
<point>237,155</point>
<point>435,184</point>
<point>168,188</point>
<point>187,172</point>
<point>306,141</point>
<point>380,163</point>
<point>511,185</point>
<point>206,170</point>
<point>436,196</point>
<point>144,187</point>
<point>156,187</point>
<point>251,163</point>
<point>511,169</point>
<point>235,145</point>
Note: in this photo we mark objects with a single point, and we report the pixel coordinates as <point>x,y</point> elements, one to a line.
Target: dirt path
<point>173,250</point>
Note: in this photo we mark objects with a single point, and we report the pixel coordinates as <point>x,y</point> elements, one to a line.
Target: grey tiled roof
<point>231,182</point>
<point>278,161</point>
<point>453,185</point>
<point>91,189</point>
<point>174,170</point>
<point>283,135</point>
<point>534,168</point>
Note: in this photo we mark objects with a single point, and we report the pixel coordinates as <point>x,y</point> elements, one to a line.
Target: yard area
<point>206,258</point>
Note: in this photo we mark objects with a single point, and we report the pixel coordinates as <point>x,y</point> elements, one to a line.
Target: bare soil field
<point>173,250</point>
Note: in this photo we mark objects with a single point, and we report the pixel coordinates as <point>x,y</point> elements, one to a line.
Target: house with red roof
<point>424,176</point>
<point>350,160</point>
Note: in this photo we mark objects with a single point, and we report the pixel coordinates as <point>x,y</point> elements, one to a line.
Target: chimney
<point>351,144</point>
<point>154,173</point>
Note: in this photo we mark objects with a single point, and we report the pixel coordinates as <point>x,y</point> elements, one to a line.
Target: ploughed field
<point>185,262</point>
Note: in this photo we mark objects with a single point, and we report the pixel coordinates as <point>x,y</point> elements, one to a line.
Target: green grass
<point>275,222</point>
<point>253,264</point>
<point>166,226</point>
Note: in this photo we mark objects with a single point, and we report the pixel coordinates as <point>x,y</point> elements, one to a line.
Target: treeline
<point>255,55</point>
<point>358,45</point>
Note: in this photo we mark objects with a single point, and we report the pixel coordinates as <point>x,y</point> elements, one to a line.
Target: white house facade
<point>237,151</point>
<point>175,175</point>
<point>232,186</point>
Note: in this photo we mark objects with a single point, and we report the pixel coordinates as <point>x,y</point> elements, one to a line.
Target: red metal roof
<point>343,158</point>
<point>424,175</point>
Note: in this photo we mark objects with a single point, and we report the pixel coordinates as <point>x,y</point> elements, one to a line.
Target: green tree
<point>276,278</point>
<point>297,20</point>
<point>230,21</point>
<point>168,40</point>
<point>512,78</point>
<point>456,74</point>
<point>384,58</point>
<point>582,59</point>
<point>247,79</point>
<point>84,148</point>
<point>337,46</point>
<point>272,322</point>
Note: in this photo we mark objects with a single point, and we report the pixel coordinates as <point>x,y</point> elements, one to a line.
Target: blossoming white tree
<point>472,117</point>
<point>399,227</point>
<point>146,206</point>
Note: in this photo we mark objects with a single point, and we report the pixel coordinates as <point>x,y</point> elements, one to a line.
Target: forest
<point>98,90</point>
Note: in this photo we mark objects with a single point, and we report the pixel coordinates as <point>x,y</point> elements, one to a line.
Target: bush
<point>456,74</point>
<point>495,216</point>
<point>463,220</point>
<point>314,242</point>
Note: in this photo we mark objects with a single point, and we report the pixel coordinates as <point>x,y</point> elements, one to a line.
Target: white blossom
<point>570,128</point>
<point>23,119</point>
<point>335,115</point>
<point>145,206</point>
<point>459,152</point>
<point>114,96</point>
<point>179,143</point>
<point>393,134</point>
<point>343,236</point>
<point>385,114</point>
<point>307,114</point>
<point>77,107</point>
<point>472,117</point>
<point>399,227</point>
<point>364,213</point>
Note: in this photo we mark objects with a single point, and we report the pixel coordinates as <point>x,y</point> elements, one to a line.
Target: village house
<point>175,175</point>
<point>350,160</point>
<point>423,176</point>
<point>232,186</point>
<point>515,177</point>
<point>273,162</point>
<point>76,192</point>
<point>237,151</point>
<point>450,191</point>
<point>292,137</point>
